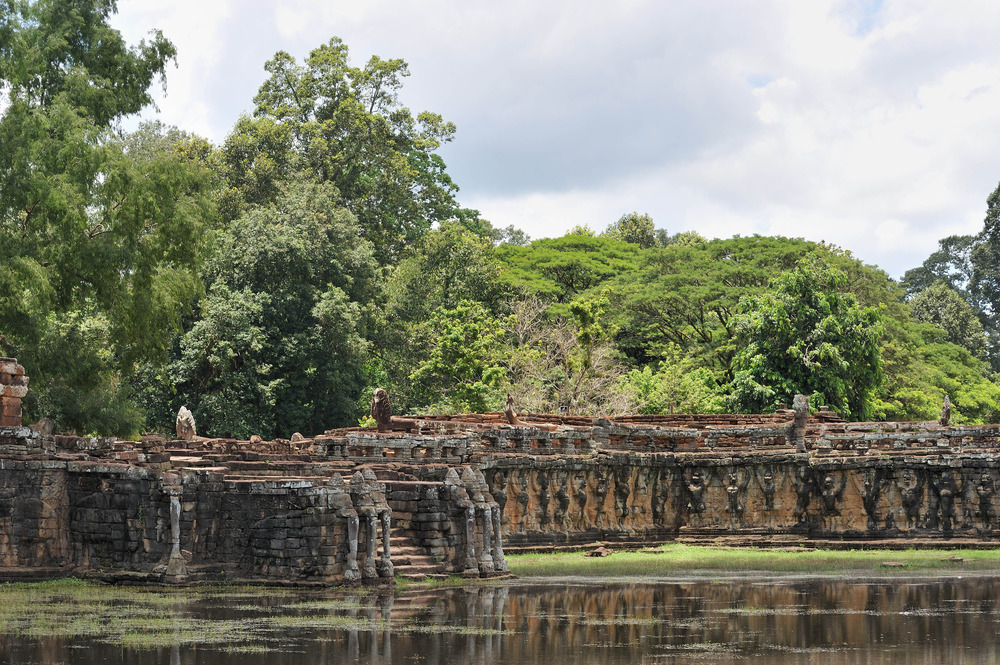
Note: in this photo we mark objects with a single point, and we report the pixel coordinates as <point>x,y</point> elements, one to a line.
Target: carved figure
<point>805,486</point>
<point>696,493</point>
<point>498,488</point>
<point>381,409</point>
<point>734,489</point>
<point>185,424</point>
<point>830,495</point>
<point>543,499</point>
<point>946,410</point>
<point>580,491</point>
<point>946,488</point>
<point>768,485</point>
<point>600,495</point>
<point>911,491</point>
<point>985,491</point>
<point>871,492</point>
<point>622,491</point>
<point>562,499</point>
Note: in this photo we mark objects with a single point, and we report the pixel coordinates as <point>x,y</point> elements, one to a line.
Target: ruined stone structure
<point>13,387</point>
<point>448,495</point>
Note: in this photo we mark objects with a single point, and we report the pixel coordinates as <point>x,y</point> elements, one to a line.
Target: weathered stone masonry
<point>443,496</point>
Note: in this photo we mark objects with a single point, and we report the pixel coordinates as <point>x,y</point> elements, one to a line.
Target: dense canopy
<point>270,283</point>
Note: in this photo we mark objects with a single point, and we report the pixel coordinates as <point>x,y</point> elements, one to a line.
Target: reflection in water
<point>952,620</point>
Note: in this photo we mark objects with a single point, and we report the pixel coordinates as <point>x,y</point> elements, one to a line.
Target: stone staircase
<point>410,561</point>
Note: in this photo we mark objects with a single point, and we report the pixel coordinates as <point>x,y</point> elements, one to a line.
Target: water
<point>724,621</point>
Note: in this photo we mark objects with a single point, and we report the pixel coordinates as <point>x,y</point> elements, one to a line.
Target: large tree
<point>807,336</point>
<point>98,242</point>
<point>281,341</point>
<point>344,125</point>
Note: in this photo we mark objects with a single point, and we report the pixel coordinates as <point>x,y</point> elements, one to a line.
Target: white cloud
<point>865,123</point>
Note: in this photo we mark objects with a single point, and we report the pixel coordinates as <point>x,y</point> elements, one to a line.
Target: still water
<point>952,620</point>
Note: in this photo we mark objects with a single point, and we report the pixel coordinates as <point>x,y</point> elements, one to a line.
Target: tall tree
<point>635,228</point>
<point>92,233</point>
<point>808,336</point>
<point>344,125</point>
<point>281,341</point>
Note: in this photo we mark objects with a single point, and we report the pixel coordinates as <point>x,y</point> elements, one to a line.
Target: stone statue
<point>805,486</point>
<point>381,409</point>
<point>508,411</point>
<point>911,492</point>
<point>185,424</point>
<point>734,489</point>
<point>947,489</point>
<point>800,405</point>
<point>946,411</point>
<point>696,493</point>
<point>985,491</point>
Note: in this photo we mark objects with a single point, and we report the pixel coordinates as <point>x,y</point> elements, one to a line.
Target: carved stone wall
<point>547,501</point>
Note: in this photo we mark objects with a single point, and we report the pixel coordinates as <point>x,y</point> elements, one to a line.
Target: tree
<point>807,336</point>
<point>281,341</point>
<point>559,269</point>
<point>562,361</point>
<point>952,264</point>
<point>674,384</point>
<point>634,228</point>
<point>686,295</point>
<point>344,125</point>
<point>92,231</point>
<point>464,369</point>
<point>945,308</point>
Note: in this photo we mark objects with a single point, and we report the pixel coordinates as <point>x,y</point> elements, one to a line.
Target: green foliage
<point>465,367</point>
<point>280,344</point>
<point>944,307</point>
<point>809,337</point>
<point>686,295</point>
<point>634,228</point>
<point>921,367</point>
<point>676,384</point>
<point>83,393</point>
<point>450,265</point>
<point>344,125</point>
<point>92,227</point>
<point>559,269</point>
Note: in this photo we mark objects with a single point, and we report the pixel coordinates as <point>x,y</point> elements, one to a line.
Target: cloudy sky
<point>869,124</point>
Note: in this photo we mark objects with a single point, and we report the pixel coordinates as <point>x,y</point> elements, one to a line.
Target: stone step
<point>421,577</point>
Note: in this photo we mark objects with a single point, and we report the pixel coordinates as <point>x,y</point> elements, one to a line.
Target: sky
<point>868,124</point>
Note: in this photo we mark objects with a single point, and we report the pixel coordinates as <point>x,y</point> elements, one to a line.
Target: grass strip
<point>676,558</point>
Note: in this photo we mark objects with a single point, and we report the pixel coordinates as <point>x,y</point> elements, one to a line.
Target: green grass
<point>676,559</point>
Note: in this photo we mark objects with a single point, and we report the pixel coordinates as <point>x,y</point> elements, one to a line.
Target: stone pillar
<point>370,571</point>
<point>175,565</point>
<point>499,562</point>
<point>485,557</point>
<point>351,573</point>
<point>470,543</point>
<point>801,407</point>
<point>385,567</point>
<point>13,388</point>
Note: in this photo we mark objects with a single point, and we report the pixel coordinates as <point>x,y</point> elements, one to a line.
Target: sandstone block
<point>18,392</point>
